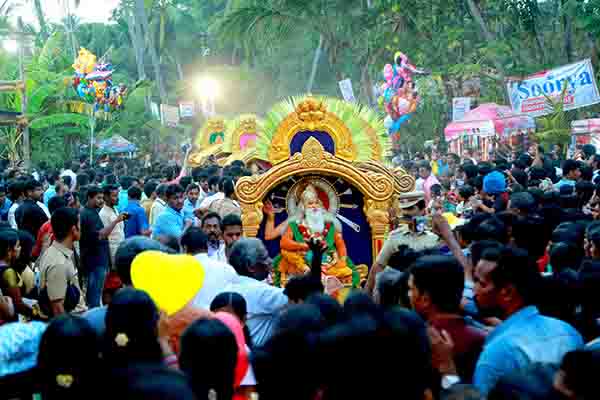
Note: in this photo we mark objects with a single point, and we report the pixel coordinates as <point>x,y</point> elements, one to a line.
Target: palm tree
<point>337,22</point>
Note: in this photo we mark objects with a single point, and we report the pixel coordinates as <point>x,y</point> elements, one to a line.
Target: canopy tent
<point>586,131</point>
<point>480,126</point>
<point>116,144</point>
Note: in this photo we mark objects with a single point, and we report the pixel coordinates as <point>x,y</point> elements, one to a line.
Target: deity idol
<point>314,222</point>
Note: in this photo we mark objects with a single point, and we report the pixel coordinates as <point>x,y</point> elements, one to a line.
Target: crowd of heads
<point>527,237</point>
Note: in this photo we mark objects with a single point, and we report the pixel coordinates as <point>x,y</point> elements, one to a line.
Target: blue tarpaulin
<point>116,144</point>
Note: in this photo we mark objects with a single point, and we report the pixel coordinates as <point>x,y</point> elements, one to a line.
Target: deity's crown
<point>310,193</point>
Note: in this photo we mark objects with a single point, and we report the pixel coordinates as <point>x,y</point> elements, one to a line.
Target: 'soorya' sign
<point>528,96</point>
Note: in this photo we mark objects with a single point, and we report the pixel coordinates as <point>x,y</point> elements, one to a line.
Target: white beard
<point>314,220</point>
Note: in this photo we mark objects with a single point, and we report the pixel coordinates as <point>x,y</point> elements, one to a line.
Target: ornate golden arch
<point>311,115</point>
<point>377,188</point>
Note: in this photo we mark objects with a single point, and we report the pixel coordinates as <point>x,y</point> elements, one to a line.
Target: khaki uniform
<point>57,271</point>
<point>404,236</point>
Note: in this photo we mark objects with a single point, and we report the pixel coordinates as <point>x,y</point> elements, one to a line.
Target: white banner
<point>460,106</point>
<point>169,115</point>
<point>187,109</point>
<point>528,96</point>
<point>347,91</point>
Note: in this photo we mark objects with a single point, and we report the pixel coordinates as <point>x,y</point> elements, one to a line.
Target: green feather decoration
<point>365,125</point>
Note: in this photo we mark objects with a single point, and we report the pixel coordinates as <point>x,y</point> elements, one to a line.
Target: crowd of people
<point>484,288</point>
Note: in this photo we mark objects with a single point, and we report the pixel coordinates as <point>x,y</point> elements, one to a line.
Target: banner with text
<point>347,91</point>
<point>460,106</point>
<point>528,96</point>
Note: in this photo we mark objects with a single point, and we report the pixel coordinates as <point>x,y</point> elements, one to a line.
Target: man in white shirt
<point>108,214</point>
<point>16,194</point>
<point>70,170</point>
<point>160,204</point>
<point>250,259</point>
<point>217,274</point>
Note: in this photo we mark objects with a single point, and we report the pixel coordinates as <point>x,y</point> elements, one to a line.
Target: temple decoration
<point>209,142</point>
<point>328,182</point>
<point>342,192</point>
<point>350,132</point>
<point>240,139</point>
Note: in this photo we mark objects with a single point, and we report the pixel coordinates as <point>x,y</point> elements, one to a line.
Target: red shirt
<point>45,233</point>
<point>468,343</point>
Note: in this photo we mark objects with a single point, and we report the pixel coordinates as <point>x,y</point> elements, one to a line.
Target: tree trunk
<point>476,13</point>
<point>315,65</point>
<point>137,43</point>
<point>568,37</point>
<point>234,54</point>
<point>39,13</point>
<point>593,48</point>
<point>141,16</point>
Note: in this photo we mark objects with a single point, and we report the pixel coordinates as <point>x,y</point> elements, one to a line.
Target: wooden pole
<point>22,77</point>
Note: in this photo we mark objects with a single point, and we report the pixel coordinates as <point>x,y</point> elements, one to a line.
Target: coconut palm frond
<point>270,125</point>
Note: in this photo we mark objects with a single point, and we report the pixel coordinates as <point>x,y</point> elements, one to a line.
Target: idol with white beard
<point>314,222</point>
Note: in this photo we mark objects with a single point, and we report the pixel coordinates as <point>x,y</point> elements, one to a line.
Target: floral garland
<point>307,235</point>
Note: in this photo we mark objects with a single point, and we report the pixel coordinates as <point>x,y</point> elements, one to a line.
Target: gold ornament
<point>311,115</point>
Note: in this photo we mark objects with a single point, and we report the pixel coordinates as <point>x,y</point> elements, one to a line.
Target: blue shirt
<point>526,337</point>
<point>48,194</point>
<point>123,200</point>
<point>264,305</point>
<point>188,210</point>
<point>137,222</point>
<point>564,182</point>
<point>168,223</point>
<point>4,209</point>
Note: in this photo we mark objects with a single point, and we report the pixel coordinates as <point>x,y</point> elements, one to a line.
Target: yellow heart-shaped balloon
<point>171,280</point>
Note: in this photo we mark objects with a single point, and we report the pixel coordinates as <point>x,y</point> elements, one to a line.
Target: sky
<point>88,11</point>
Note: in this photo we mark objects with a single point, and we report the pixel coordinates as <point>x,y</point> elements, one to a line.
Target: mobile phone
<point>126,215</point>
<point>419,224</point>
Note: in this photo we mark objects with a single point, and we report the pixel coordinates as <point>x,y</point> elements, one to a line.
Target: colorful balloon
<point>93,83</point>
<point>397,93</point>
<point>171,280</point>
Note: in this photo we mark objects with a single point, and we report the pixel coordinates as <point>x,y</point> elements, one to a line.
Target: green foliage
<point>263,51</point>
<point>555,128</point>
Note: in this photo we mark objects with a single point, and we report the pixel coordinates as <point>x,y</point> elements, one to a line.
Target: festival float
<point>328,181</point>
<point>240,142</point>
<point>208,145</point>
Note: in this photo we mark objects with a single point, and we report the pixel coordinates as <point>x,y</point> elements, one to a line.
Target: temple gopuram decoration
<point>328,181</point>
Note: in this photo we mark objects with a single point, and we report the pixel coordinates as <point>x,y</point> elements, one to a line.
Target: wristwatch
<point>449,380</point>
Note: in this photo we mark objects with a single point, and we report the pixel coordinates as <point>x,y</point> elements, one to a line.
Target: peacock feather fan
<point>366,127</point>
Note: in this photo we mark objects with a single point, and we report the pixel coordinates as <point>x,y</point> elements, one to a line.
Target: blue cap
<point>494,183</point>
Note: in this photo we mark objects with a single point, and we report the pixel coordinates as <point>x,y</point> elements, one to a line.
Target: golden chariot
<point>332,151</point>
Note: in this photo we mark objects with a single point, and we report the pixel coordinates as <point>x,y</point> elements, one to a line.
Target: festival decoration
<point>358,132</point>
<point>171,280</point>
<point>398,94</point>
<point>93,83</point>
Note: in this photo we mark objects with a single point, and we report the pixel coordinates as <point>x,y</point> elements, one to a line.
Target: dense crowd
<point>485,287</point>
